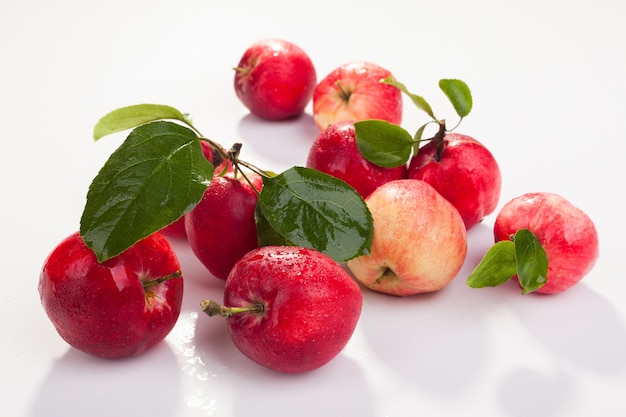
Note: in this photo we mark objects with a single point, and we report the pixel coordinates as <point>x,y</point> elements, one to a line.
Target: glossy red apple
<point>566,233</point>
<point>290,309</point>
<point>222,227</point>
<point>176,230</point>
<point>275,79</point>
<point>117,308</point>
<point>353,92</point>
<point>335,152</point>
<point>464,171</point>
<point>419,242</point>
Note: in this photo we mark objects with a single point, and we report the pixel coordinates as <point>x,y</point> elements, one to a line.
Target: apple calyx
<point>212,308</point>
<point>149,283</point>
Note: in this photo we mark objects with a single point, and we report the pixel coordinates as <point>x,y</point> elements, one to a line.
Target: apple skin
<point>566,233</point>
<point>221,228</point>
<point>103,308</point>
<point>311,307</point>
<point>176,230</point>
<point>354,92</point>
<point>466,174</point>
<point>275,79</point>
<point>334,151</point>
<point>419,242</point>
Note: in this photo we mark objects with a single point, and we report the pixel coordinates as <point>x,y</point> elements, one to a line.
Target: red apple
<point>176,230</point>
<point>275,79</point>
<point>354,92</point>
<point>419,242</point>
<point>565,232</point>
<point>114,309</point>
<point>335,152</point>
<point>222,227</point>
<point>290,309</point>
<point>464,171</point>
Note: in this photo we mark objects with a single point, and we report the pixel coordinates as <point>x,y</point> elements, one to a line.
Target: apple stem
<point>148,284</point>
<point>438,138</point>
<point>211,308</point>
<point>345,94</point>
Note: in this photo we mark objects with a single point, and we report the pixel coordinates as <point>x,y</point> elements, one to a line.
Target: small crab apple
<point>221,228</point>
<point>114,309</point>
<point>419,241</point>
<point>353,92</point>
<point>288,308</point>
<point>566,233</point>
<point>463,170</point>
<point>275,79</point>
<point>176,230</point>
<point>335,152</point>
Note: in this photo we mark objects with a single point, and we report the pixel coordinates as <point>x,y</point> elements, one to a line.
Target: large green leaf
<point>459,95</point>
<point>153,178</point>
<point>315,210</point>
<point>383,143</point>
<point>496,267</point>
<point>133,116</point>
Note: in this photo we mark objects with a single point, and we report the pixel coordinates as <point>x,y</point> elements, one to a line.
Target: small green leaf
<point>532,261</point>
<point>497,266</point>
<point>383,143</point>
<point>132,116</point>
<point>153,178</point>
<point>419,101</point>
<point>459,95</point>
<point>316,210</point>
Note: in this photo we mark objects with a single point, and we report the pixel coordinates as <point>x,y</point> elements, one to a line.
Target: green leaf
<point>316,210</point>
<point>419,101</point>
<point>532,261</point>
<point>132,116</point>
<point>459,95</point>
<point>497,266</point>
<point>383,143</point>
<point>267,235</point>
<point>153,178</point>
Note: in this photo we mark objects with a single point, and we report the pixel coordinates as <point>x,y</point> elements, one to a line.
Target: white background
<point>548,80</point>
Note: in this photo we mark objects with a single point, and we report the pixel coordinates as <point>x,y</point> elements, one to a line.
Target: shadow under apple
<point>281,144</point>
<point>81,385</point>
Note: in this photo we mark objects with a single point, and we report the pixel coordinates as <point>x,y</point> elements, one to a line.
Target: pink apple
<point>290,309</point>
<point>419,242</point>
<point>275,79</point>
<point>117,308</point>
<point>353,92</point>
<point>222,227</point>
<point>565,232</point>
<point>464,171</point>
<point>335,152</point>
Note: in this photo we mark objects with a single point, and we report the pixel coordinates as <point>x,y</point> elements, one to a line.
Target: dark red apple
<point>275,79</point>
<point>290,309</point>
<point>222,227</point>
<point>117,308</point>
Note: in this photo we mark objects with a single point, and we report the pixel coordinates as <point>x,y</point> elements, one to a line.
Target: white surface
<point>549,84</point>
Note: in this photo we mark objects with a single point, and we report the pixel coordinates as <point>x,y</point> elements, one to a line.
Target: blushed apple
<point>354,92</point>
<point>464,171</point>
<point>566,233</point>
<point>419,242</point>
<point>114,309</point>
<point>288,308</point>
<point>221,228</point>
<point>334,152</point>
<point>275,79</point>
